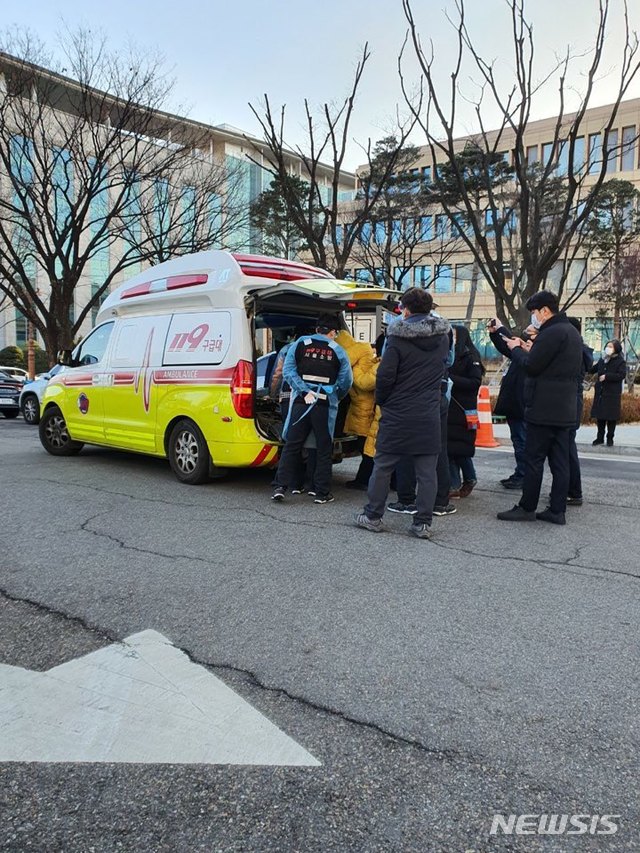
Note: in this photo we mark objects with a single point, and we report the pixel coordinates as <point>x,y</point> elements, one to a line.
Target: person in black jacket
<point>611,371</point>
<point>408,392</point>
<point>553,366</point>
<point>510,403</point>
<point>574,497</point>
<point>466,373</point>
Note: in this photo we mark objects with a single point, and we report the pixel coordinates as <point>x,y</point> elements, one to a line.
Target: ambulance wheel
<point>54,436</point>
<point>188,453</point>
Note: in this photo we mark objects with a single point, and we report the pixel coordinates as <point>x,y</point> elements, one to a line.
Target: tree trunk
<point>475,273</point>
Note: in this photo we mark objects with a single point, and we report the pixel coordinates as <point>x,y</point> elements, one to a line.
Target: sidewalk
<point>627,439</point>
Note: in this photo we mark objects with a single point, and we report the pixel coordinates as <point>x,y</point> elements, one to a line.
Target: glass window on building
<point>578,155</point>
<point>426,228</point>
<point>396,230</point>
<point>380,233</point>
<point>362,275</point>
<point>422,275</point>
<point>596,331</point>
<point>532,154</point>
<point>379,276</point>
<point>442,227</point>
<point>96,306</point>
<point>21,329</point>
<point>563,157</point>
<point>464,273</point>
<point>426,174</point>
<point>554,277</point>
<point>612,151</point>
<point>547,148</point>
<point>365,233</point>
<point>577,275</point>
<point>444,278</point>
<point>595,153</point>
<point>629,144</point>
<point>339,234</point>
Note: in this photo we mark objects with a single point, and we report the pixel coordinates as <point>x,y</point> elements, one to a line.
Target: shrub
<point>12,357</point>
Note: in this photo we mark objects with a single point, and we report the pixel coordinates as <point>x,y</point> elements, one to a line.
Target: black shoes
<point>444,510</point>
<point>398,506</point>
<point>324,499</point>
<point>597,441</point>
<point>517,514</point>
<point>574,501</point>
<point>356,485</point>
<point>553,517</point>
<point>278,494</point>
<point>512,483</point>
<point>609,442</point>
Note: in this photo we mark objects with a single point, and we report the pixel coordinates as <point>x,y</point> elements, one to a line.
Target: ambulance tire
<point>54,436</point>
<point>188,453</point>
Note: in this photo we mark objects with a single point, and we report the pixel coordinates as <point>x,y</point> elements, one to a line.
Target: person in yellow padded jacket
<point>361,415</point>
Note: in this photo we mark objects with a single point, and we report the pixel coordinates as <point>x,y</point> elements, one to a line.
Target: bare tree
<point>96,178</point>
<point>542,211</point>
<point>318,216</point>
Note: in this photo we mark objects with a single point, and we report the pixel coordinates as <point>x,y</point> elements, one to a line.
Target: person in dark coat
<point>510,402</point>
<point>408,392</point>
<point>553,365</point>
<point>574,497</point>
<point>611,371</point>
<point>466,373</point>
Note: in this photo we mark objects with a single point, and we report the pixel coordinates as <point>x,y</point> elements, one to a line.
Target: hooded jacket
<point>408,385</point>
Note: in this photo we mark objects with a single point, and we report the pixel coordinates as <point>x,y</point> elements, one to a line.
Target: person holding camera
<point>510,402</point>
<point>553,367</point>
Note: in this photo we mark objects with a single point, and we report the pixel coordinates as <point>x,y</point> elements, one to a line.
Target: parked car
<point>10,388</point>
<point>15,372</point>
<point>31,395</point>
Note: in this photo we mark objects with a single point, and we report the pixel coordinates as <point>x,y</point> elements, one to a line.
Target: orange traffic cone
<point>484,435</point>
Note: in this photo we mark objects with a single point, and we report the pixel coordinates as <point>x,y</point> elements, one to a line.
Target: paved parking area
<point>491,670</point>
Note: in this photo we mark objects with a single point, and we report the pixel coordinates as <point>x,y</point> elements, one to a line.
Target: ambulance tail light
<point>242,389</point>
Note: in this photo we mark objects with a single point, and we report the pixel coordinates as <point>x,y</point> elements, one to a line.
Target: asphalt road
<point>494,669</point>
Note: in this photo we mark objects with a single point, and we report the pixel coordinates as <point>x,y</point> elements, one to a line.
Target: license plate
<point>7,401</point>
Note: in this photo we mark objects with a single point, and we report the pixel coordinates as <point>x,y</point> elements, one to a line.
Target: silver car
<point>31,395</point>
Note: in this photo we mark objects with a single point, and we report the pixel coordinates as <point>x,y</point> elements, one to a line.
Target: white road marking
<point>139,701</point>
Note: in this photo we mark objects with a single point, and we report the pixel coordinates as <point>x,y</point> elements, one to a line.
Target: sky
<point>225,55</point>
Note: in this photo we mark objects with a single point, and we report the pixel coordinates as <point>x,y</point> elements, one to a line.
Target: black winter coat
<point>553,367</point>
<point>466,374</point>
<point>607,394</point>
<point>587,364</point>
<point>408,384</point>
<point>510,402</point>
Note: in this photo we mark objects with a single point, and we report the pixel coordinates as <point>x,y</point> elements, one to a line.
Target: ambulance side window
<point>92,350</point>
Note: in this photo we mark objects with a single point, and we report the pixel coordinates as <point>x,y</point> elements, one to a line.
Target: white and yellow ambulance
<point>171,367</point>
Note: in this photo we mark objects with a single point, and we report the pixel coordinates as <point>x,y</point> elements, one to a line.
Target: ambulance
<point>179,361</point>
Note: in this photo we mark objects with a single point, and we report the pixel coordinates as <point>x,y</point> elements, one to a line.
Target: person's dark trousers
<point>364,470</point>
<point>406,480</point>
<point>611,430</point>
<point>405,471</point>
<point>444,476</point>
<point>303,467</point>
<point>518,430</point>
<point>299,428</point>
<point>544,442</point>
<point>575,478</point>
<point>461,465</point>
<point>383,466</point>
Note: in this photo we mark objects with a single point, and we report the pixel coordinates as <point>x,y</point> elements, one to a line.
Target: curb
<point>600,449</point>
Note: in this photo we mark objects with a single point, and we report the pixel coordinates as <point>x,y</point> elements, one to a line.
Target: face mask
<point>609,350</point>
<point>535,322</point>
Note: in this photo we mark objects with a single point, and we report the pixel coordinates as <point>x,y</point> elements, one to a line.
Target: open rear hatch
<point>288,310</point>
